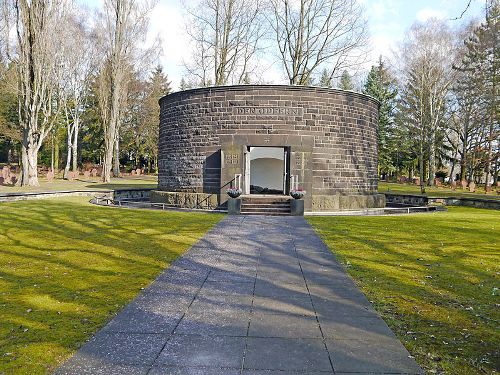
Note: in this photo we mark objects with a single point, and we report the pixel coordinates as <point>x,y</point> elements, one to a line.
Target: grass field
<point>434,279</point>
<point>85,184</point>
<point>66,266</point>
<point>433,191</point>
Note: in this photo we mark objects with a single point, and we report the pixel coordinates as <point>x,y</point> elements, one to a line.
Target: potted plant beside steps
<point>234,202</point>
<point>297,203</point>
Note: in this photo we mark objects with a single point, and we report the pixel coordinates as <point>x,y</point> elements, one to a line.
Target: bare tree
<point>79,64</point>
<point>124,25</point>
<point>225,35</point>
<point>427,55</point>
<point>311,34</point>
<point>38,38</point>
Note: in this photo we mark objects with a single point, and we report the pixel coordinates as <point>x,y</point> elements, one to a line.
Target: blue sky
<point>388,20</point>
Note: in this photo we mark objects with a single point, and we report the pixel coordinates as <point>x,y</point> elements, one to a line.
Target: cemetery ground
<point>434,191</point>
<point>433,278</point>
<point>67,266</point>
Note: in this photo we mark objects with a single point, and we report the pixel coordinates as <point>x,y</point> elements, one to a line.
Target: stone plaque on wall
<point>232,159</point>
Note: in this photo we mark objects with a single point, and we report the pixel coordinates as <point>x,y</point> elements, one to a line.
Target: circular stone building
<point>268,139</point>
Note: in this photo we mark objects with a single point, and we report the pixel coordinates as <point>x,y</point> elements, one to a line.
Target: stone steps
<point>265,206</point>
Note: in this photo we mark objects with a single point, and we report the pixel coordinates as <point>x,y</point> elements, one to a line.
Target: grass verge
<point>67,266</point>
<point>433,278</point>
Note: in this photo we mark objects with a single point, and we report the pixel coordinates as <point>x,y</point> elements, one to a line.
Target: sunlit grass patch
<point>433,279</point>
<point>67,266</point>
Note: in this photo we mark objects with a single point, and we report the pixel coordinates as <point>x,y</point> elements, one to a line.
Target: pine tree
<point>325,79</point>
<point>346,81</point>
<point>157,87</point>
<point>380,86</point>
<point>480,70</point>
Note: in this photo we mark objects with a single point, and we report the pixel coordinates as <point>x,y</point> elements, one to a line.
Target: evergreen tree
<point>380,86</point>
<point>480,70</point>
<point>325,79</point>
<point>346,81</point>
<point>157,87</point>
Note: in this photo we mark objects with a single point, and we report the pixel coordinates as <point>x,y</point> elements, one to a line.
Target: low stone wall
<point>406,199</point>
<point>120,194</point>
<point>419,200</point>
<point>11,197</point>
<point>493,204</point>
<point>135,194</point>
<point>347,202</point>
<point>185,200</point>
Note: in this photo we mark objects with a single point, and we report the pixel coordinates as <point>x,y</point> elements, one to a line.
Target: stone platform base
<point>185,200</point>
<point>347,202</point>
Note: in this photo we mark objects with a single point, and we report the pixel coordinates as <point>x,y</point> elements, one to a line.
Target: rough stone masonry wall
<point>342,124</point>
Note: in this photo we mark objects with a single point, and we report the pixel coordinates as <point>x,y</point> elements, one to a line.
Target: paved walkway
<point>256,296</point>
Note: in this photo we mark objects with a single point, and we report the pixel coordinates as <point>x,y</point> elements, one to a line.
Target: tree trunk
<point>69,153</point>
<point>107,162</point>
<point>432,161</point>
<point>116,168</point>
<point>56,154</point>
<point>75,144</point>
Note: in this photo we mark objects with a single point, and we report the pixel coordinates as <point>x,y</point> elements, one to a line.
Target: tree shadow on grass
<point>67,266</point>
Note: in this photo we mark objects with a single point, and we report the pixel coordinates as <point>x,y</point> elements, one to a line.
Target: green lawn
<point>66,266</point>
<point>433,277</point>
<point>81,183</point>
<point>433,191</point>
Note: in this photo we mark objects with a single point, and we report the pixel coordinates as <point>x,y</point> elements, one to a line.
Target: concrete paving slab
<point>283,325</point>
<point>380,356</point>
<point>257,295</point>
<point>286,354</point>
<point>206,351</point>
<point>167,370</point>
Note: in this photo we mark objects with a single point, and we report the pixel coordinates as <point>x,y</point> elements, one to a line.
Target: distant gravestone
<point>86,174</point>
<point>437,182</point>
<point>453,185</point>
<point>93,172</point>
<point>133,172</point>
<point>6,175</point>
<point>464,184</point>
<point>138,171</point>
<point>50,176</point>
<point>472,187</point>
<point>417,181</point>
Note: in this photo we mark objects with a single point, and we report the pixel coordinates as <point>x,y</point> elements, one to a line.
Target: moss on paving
<point>67,266</point>
<point>433,191</point>
<point>433,277</point>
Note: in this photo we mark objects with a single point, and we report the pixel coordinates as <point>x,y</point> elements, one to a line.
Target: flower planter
<point>234,206</point>
<point>297,207</point>
<point>297,194</point>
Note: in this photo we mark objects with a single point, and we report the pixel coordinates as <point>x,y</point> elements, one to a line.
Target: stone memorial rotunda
<point>267,140</point>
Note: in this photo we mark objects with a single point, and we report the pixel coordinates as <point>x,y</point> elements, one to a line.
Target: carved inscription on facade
<point>232,159</point>
<point>269,111</point>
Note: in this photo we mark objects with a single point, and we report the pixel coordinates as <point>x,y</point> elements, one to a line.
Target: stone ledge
<point>346,202</point>
<point>185,200</point>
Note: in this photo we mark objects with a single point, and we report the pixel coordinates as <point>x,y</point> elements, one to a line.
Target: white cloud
<point>427,13</point>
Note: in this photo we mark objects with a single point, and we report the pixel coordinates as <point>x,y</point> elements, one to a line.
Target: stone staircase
<point>275,205</point>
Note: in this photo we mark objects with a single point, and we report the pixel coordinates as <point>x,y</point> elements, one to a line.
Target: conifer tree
<point>325,79</point>
<point>346,81</point>
<point>380,86</point>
